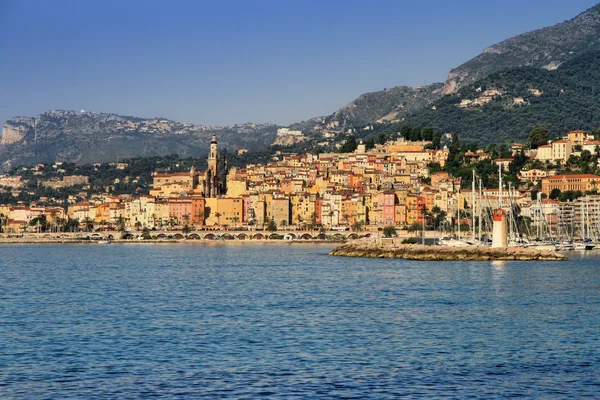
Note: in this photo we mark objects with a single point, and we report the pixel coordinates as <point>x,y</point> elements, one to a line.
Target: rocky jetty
<point>374,249</point>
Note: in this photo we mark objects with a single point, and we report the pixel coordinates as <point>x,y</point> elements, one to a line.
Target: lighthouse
<point>499,232</point>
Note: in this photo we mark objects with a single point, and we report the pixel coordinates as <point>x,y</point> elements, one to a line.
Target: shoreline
<point>42,241</point>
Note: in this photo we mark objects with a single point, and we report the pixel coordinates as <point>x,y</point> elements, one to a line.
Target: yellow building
<point>236,187</point>
<point>224,211</point>
<point>303,208</point>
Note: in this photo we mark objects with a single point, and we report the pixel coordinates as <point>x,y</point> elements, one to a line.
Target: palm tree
<point>218,215</point>
<point>51,220</point>
<point>57,221</point>
<point>313,220</point>
<point>271,226</point>
<point>357,226</point>
<point>346,217</point>
<point>236,219</point>
<point>121,223</point>
<point>89,224</point>
<point>389,231</point>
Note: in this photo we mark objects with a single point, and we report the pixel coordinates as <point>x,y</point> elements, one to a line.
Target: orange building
<point>581,182</point>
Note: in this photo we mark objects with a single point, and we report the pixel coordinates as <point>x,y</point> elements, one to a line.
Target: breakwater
<point>390,249</point>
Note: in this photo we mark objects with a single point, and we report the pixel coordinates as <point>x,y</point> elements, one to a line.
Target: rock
<point>369,248</point>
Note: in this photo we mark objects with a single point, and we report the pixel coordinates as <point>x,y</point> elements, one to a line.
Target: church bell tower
<point>213,157</point>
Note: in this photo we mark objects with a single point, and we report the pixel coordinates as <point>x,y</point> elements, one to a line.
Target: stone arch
<point>161,236</point>
<point>227,236</point>
<point>178,236</point>
<point>258,236</point>
<point>194,236</point>
<point>210,236</point>
<point>321,236</point>
<point>242,236</point>
<point>338,236</point>
<point>353,236</point>
<point>306,236</point>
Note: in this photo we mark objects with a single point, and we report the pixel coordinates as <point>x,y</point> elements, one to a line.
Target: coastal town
<point>399,183</point>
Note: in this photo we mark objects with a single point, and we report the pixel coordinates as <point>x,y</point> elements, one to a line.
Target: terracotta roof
<point>586,176</point>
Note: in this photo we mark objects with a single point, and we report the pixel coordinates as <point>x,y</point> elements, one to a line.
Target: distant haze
<point>225,62</point>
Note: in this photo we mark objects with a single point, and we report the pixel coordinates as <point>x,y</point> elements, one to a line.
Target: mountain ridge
<point>543,48</point>
<point>67,135</point>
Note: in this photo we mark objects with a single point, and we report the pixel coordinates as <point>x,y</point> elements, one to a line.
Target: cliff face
<point>17,129</point>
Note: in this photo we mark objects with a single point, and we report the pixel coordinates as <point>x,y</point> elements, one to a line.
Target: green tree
<point>427,134</point>
<point>349,146</point>
<point>554,194</point>
<point>389,231</point>
<point>88,223</point>
<point>357,226</point>
<point>538,137</point>
<point>271,226</point>
<point>39,223</point>
<point>436,140</point>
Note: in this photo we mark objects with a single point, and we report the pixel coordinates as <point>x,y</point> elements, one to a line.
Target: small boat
<point>453,243</point>
<point>103,242</point>
<point>565,247</point>
<point>583,246</point>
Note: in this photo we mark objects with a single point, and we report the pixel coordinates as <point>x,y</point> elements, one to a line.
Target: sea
<point>287,321</point>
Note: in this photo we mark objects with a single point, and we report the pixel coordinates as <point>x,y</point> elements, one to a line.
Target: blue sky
<point>221,62</point>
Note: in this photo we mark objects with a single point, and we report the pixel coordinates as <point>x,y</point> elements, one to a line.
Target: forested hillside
<point>508,105</point>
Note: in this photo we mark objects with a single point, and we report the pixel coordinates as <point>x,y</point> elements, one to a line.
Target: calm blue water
<point>280,321</point>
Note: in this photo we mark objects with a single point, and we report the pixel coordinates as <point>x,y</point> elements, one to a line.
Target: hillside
<point>388,104</point>
<point>508,105</point>
<point>545,48</point>
<point>86,137</point>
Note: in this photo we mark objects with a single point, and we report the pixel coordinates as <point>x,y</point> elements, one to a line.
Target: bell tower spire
<point>213,157</point>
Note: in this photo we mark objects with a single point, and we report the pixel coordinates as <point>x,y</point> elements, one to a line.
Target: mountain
<point>507,105</point>
<point>534,74</point>
<point>87,137</point>
<point>545,48</point>
<point>388,104</point>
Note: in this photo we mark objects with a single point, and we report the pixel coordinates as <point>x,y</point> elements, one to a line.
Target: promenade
<point>179,236</point>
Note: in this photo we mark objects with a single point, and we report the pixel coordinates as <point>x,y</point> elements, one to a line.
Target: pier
<point>395,249</point>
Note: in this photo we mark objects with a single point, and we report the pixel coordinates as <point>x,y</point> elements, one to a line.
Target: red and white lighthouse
<point>499,232</point>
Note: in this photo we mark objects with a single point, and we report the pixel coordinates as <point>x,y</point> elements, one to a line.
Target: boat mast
<point>458,211</point>
<point>499,185</point>
<point>473,205</point>
<point>480,219</point>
